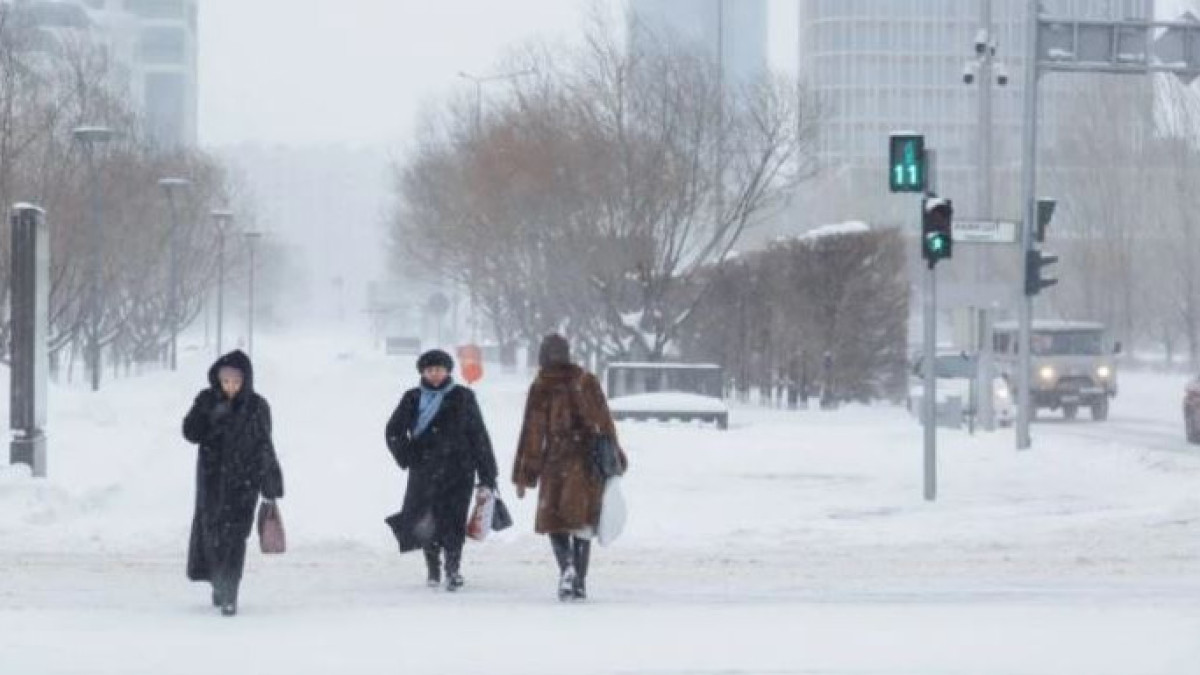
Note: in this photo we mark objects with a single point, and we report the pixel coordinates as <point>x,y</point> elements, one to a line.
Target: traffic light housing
<point>937,240</point>
<point>1035,262</point>
<point>1045,213</point>
<point>906,163</point>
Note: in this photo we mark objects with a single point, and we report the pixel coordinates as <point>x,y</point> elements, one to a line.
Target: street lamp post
<point>252,238</point>
<point>481,80</point>
<point>170,186</point>
<point>89,137</point>
<point>222,219</point>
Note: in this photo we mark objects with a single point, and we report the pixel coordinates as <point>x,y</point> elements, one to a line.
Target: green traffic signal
<point>937,244</point>
<point>937,217</point>
<point>906,163</point>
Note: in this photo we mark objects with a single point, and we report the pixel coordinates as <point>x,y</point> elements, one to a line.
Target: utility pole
<point>1029,205</point>
<point>985,72</point>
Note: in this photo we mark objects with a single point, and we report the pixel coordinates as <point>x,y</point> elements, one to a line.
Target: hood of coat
<point>554,351</point>
<point>560,374</point>
<point>234,359</point>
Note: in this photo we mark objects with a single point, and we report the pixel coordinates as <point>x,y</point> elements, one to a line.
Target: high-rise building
<point>879,66</point>
<point>153,44</point>
<point>157,41</point>
<point>733,31</point>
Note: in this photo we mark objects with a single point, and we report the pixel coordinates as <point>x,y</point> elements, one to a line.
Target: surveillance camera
<point>968,73</point>
<point>981,42</point>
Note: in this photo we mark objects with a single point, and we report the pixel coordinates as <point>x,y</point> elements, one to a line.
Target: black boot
<point>561,543</point>
<point>454,579</point>
<point>583,554</point>
<point>433,565</point>
<point>229,594</point>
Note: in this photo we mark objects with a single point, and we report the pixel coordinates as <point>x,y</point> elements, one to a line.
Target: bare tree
<point>592,198</point>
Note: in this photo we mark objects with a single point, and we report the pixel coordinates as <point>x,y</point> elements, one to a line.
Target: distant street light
<point>170,186</point>
<point>223,220</point>
<point>252,238</point>
<point>89,137</point>
<point>481,80</point>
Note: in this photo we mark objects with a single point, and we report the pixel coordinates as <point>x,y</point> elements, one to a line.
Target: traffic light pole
<point>929,403</point>
<point>1029,202</point>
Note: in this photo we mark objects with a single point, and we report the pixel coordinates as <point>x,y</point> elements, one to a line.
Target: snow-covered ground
<point>794,542</point>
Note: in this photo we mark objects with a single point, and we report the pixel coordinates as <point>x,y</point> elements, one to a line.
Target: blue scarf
<point>430,404</point>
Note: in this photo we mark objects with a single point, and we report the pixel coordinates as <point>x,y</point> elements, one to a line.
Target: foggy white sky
<point>357,71</point>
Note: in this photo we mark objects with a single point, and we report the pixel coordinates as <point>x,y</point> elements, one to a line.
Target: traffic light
<point>1034,262</point>
<point>1045,213</point>
<point>906,163</point>
<point>937,241</point>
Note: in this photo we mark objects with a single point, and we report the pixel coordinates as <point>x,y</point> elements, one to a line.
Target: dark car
<point>1191,410</point>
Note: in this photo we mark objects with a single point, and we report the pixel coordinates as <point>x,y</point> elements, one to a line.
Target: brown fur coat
<point>566,407</point>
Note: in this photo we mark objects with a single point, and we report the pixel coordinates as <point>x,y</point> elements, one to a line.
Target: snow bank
<point>795,541</point>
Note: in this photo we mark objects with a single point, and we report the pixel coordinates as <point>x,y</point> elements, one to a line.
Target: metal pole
<point>93,312</point>
<point>930,402</point>
<point>478,107</point>
<point>987,80</point>
<point>173,311</point>
<point>985,408</point>
<point>1029,204</point>
<point>720,196</point>
<point>250,313</point>
<point>220,287</point>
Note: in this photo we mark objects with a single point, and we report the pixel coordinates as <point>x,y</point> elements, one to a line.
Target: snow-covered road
<point>792,543</point>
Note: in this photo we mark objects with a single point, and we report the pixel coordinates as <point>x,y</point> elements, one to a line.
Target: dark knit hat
<point>434,357</point>
<point>555,351</point>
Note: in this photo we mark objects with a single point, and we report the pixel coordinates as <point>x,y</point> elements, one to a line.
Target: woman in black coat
<point>437,434</point>
<point>236,463</point>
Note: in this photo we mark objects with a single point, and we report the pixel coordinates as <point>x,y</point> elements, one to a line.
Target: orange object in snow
<point>471,358</point>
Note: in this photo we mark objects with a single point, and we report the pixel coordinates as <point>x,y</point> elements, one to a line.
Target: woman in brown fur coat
<point>565,412</point>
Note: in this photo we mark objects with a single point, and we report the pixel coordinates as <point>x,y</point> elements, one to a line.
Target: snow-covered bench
<point>671,406</point>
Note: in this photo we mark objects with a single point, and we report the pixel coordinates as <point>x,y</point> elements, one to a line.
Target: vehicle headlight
<point>1104,372</point>
<point>1001,391</point>
<point>1047,373</point>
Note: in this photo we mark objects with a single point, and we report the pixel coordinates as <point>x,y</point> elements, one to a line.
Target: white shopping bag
<point>612,512</point>
<point>479,526</point>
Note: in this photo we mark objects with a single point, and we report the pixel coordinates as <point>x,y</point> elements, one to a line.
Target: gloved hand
<point>220,411</point>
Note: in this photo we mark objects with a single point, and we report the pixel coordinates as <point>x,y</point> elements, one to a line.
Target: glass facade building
<point>879,66</point>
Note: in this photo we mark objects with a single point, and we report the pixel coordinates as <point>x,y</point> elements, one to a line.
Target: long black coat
<point>235,464</point>
<point>442,465</point>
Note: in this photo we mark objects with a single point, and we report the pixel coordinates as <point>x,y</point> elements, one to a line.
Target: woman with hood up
<point>236,465</point>
<point>564,415</point>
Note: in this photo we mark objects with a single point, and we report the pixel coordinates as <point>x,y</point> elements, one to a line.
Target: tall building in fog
<point>884,65</point>
<point>153,44</point>
<point>157,42</point>
<point>737,27</point>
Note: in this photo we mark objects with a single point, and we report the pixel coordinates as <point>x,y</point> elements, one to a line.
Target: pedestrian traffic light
<point>1035,261</point>
<point>937,242</point>
<point>1045,213</point>
<point>906,163</point>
